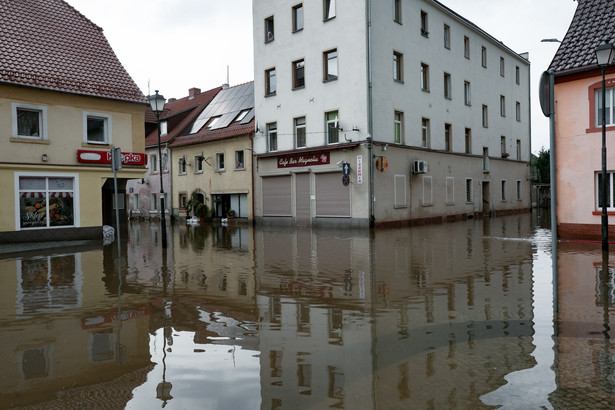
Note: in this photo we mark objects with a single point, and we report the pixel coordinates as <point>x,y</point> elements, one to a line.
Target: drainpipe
<point>370,125</point>
<point>552,155</point>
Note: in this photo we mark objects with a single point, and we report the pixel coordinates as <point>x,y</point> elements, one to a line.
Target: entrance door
<point>302,199</point>
<point>486,199</point>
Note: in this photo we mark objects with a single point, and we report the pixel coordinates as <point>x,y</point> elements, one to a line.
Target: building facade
<point>578,123</point>
<point>62,109</point>
<point>385,113</point>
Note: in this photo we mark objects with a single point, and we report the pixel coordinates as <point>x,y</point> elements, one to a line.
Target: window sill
<point>30,141</point>
<point>398,81</point>
<point>221,170</point>
<point>329,80</point>
<point>239,169</point>
<point>398,22</point>
<point>448,98</point>
<point>95,145</point>
<point>598,213</point>
<point>297,31</point>
<point>425,90</point>
<point>329,19</point>
<point>599,129</point>
<point>299,88</point>
<point>270,95</point>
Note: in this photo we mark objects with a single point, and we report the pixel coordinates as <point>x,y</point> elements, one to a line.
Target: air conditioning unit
<point>419,167</point>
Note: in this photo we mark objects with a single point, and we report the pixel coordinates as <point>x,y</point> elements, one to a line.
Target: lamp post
<point>157,104</point>
<point>604,54</point>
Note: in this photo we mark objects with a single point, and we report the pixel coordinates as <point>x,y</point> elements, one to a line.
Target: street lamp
<point>604,54</point>
<point>156,102</point>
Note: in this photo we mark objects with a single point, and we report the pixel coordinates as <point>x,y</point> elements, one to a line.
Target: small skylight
<point>213,121</point>
<point>242,115</point>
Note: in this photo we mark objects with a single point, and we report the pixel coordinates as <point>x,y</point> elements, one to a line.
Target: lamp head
<point>605,53</point>
<point>156,102</point>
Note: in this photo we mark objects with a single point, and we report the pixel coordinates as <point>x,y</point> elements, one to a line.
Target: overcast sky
<point>173,45</point>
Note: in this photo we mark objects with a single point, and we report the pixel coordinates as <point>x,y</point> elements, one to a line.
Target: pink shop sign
<point>304,160</point>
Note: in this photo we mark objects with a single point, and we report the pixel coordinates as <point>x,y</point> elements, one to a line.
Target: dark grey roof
<point>593,24</point>
<point>227,106</point>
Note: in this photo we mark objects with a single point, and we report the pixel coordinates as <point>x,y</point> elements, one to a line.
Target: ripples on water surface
<point>458,315</point>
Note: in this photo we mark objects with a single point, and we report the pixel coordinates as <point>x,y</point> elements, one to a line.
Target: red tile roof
<point>233,130</point>
<point>178,114</point>
<point>47,44</point>
<point>592,25</point>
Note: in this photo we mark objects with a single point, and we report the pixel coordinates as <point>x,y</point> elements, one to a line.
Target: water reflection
<point>455,315</point>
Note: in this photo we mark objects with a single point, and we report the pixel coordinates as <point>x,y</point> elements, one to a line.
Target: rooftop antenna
<point>228,80</point>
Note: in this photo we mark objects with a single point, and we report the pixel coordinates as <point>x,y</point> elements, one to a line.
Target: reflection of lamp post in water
<point>163,390</point>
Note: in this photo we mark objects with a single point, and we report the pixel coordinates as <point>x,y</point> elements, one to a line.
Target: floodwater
<point>461,315</point>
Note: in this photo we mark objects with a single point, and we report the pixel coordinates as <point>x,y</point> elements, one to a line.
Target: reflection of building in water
<point>586,355</point>
<point>42,352</point>
<point>409,318</point>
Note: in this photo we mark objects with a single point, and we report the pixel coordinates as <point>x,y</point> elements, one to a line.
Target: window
<point>153,163</point>
<point>398,66</point>
<point>269,29</point>
<point>424,24</point>
<point>198,164</point>
<point>242,114</point>
<point>447,37</point>
<point>450,190</point>
<point>332,121</point>
<point>183,200</point>
<point>448,137</point>
<point>517,75</point>
<point>153,200</point>
<point>239,160</point>
<point>469,194</point>
<point>212,122</point>
<point>330,65</point>
<point>425,133</point>
<point>220,161</point>
<point>270,82</point>
<point>502,106</point>
<point>503,146</point>
<point>518,149</point>
<point>298,17</point>
<point>518,110</point>
<point>502,67</point>
<point>466,47</point>
<point>427,190</point>
<point>97,128</point>
<point>503,190</point>
<point>485,159</point>
<point>609,191</point>
<point>468,141</point>
<point>519,191</point>
<point>163,128</point>
<point>328,9</point>
<point>398,121</point>
<point>447,86</point>
<point>29,121</point>
<point>397,11</point>
<point>485,116</point>
<point>182,166</point>
<point>400,195</point>
<point>300,135</point>
<point>609,106</point>
<point>272,136</point>
<point>467,94</point>
<point>424,77</point>
<point>45,201</point>
<point>483,56</point>
<point>298,74</point>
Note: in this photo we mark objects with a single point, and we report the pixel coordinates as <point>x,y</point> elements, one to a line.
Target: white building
<point>441,107</point>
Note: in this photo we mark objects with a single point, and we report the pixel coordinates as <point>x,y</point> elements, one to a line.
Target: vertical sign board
<point>359,169</point>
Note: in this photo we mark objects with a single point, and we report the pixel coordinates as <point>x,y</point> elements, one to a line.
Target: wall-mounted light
<point>44,158</point>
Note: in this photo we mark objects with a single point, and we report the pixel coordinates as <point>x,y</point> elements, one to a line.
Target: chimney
<point>224,86</point>
<point>193,92</point>
<point>170,100</point>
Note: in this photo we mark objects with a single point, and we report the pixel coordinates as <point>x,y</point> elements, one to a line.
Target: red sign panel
<point>104,157</point>
<point>304,160</point>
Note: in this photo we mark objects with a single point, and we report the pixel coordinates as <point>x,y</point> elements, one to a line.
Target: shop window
<point>45,202</point>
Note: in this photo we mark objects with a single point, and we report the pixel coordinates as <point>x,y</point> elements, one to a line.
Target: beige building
<point>62,110</point>
<point>213,157</point>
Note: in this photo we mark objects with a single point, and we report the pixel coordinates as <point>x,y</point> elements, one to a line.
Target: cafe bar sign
<point>304,160</point>
<point>104,157</point>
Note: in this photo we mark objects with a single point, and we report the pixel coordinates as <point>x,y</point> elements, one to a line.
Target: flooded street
<point>459,315</point>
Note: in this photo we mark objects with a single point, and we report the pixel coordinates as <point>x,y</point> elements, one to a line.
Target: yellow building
<point>62,109</point>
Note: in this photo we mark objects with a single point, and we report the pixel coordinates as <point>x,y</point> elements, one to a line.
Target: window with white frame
<point>163,128</point>
<point>329,60</point>
<point>398,123</point>
<point>272,136</point>
<point>424,77</point>
<point>198,164</point>
<point>609,94</point>
<point>425,133</point>
<point>220,161</point>
<point>398,66</point>
<point>300,134</point>
<point>183,200</point>
<point>467,93</point>
<point>519,149</point>
<point>469,193</point>
<point>609,191</point>
<point>45,201</point>
<point>240,160</point>
<point>29,121</point>
<point>153,163</point>
<point>332,127</point>
<point>485,159</point>
<point>153,202</point>
<point>97,128</point>
<point>181,170</point>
